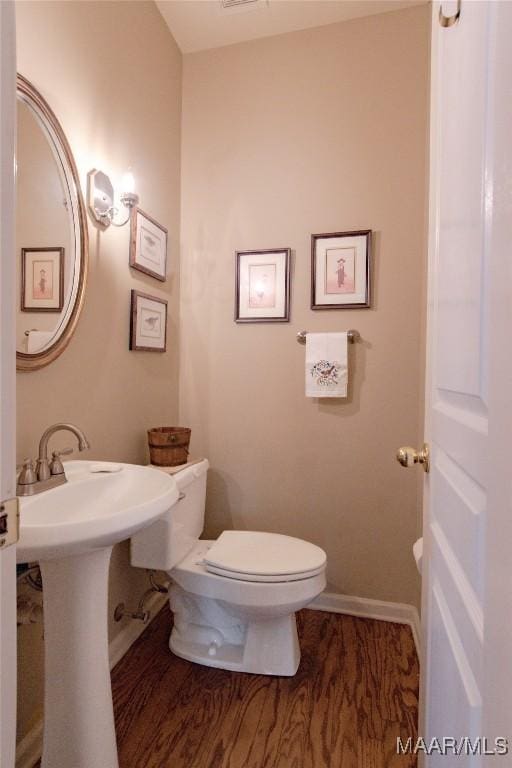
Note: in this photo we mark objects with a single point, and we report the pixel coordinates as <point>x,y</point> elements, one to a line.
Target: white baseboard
<point>29,749</point>
<point>364,607</point>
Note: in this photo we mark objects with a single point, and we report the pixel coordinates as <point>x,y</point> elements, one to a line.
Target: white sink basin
<point>92,509</point>
<point>71,530</point>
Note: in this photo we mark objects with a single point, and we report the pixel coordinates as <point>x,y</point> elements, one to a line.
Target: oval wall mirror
<point>51,234</point>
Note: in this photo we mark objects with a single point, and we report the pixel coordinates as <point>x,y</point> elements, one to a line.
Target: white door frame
<point>433,238</point>
<point>7,379</point>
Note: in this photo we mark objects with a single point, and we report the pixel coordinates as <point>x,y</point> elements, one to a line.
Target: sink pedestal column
<point>79,727</point>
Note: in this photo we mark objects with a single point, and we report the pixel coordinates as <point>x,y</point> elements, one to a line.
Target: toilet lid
<point>253,556</point>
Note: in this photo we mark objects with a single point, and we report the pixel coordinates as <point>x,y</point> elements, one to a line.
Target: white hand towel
<point>37,340</point>
<point>326,365</point>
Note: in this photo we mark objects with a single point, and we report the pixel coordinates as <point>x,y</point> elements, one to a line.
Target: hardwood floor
<point>355,692</point>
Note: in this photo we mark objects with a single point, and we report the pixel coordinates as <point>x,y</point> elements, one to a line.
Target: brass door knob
<point>408,457</point>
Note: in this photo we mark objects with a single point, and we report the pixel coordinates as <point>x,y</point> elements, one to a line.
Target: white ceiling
<point>200,24</point>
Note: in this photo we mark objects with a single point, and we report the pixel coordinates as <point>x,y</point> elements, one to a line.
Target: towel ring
<point>352,336</point>
<point>449,21</point>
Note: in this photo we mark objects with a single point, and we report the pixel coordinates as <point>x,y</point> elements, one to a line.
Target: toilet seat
<point>263,557</point>
<point>191,574</point>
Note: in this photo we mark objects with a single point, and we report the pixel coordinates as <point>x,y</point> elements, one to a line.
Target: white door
<point>7,387</point>
<point>467,585</point>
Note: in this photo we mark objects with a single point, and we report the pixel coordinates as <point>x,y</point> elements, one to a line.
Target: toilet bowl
<point>234,599</point>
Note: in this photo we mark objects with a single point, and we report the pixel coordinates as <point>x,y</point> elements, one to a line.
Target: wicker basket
<point>168,446</point>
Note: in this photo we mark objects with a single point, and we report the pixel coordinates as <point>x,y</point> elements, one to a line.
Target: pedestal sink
<point>71,530</point>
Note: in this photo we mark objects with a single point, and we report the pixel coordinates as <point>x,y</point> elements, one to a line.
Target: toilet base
<point>207,631</point>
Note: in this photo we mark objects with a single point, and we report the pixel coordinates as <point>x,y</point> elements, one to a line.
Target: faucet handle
<point>56,465</point>
<point>27,475</point>
<point>63,452</point>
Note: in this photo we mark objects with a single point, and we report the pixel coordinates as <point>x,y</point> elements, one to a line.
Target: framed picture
<point>262,287</point>
<point>148,326</point>
<point>148,245</point>
<point>340,270</point>
<point>42,279</point>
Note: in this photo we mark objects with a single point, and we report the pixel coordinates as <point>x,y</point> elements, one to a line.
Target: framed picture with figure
<point>42,279</point>
<point>262,286</point>
<point>341,270</point>
<point>148,323</point>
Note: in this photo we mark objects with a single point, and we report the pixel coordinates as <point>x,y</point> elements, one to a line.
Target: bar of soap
<point>105,467</point>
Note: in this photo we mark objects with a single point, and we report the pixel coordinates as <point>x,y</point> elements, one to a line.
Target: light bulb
<point>128,183</point>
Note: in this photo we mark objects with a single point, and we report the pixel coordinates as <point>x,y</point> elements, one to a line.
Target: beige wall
<point>316,131</point>
<point>113,77</point>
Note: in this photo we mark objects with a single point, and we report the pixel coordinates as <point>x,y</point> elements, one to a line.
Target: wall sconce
<point>101,198</point>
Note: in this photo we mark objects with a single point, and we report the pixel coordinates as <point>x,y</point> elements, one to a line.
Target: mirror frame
<point>36,360</point>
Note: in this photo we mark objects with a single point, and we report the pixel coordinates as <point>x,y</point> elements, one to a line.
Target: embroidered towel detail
<point>326,365</point>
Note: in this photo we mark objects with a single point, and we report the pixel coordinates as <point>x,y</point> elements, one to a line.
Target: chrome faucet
<point>48,474</point>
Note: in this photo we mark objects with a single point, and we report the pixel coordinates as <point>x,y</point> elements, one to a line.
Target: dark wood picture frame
<point>46,249</point>
<point>133,244</point>
<point>366,304</point>
<point>133,322</point>
<point>285,318</point>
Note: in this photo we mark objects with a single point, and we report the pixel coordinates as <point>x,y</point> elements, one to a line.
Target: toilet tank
<point>164,543</point>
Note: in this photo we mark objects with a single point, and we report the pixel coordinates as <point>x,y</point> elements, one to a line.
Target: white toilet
<point>234,599</point>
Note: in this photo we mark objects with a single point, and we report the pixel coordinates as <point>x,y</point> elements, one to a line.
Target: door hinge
<point>9,522</point>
